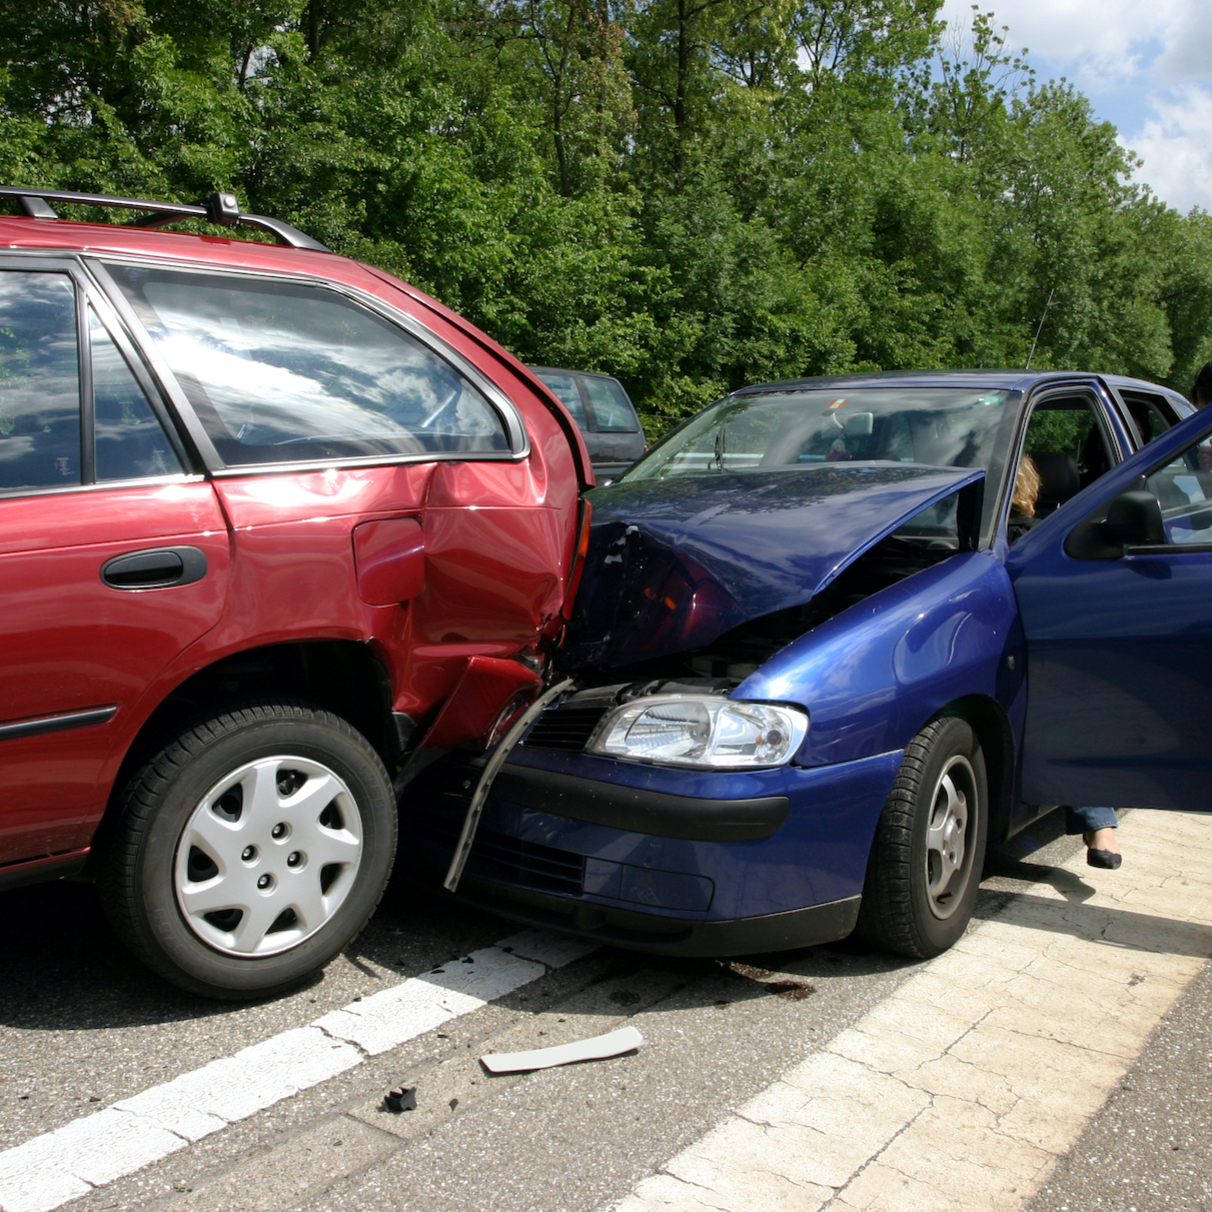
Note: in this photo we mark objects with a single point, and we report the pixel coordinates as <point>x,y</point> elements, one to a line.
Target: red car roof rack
<point>220,208</point>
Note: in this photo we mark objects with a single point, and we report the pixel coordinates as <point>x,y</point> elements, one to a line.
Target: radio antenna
<point>1040,327</point>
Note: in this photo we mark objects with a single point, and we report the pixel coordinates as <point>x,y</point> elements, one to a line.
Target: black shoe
<point>1104,858</point>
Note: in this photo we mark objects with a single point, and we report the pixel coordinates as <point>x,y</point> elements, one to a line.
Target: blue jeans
<point>1086,820</point>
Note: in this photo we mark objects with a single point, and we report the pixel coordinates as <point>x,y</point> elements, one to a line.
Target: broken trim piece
<point>614,1043</point>
<point>474,810</point>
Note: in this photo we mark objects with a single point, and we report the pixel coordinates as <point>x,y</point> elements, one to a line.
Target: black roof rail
<point>219,208</point>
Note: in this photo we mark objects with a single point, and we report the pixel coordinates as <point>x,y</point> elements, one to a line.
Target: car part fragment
<point>614,1043</point>
<point>484,786</point>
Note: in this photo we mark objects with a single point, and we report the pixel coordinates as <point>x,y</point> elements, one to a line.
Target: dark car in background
<point>813,677</point>
<point>605,414</point>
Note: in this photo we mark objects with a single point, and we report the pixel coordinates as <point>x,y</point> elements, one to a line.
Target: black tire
<point>921,884</point>
<point>322,863</point>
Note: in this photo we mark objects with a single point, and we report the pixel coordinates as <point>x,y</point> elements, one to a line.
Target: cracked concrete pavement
<point>966,1086</point>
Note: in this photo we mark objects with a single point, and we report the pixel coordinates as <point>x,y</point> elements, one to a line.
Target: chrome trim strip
<point>104,485</point>
<point>57,723</point>
<point>246,471</point>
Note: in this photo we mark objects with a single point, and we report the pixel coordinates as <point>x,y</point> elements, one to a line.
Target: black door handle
<point>155,568</point>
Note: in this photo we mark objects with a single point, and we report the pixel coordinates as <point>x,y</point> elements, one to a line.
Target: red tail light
<point>578,561</point>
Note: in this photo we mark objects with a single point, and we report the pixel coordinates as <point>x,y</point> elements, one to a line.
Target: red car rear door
<point>112,558</point>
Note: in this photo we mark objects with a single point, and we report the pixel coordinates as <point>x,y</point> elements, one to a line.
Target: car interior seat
<point>1059,479</point>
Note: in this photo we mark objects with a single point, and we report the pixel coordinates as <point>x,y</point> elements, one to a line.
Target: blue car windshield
<point>786,430</point>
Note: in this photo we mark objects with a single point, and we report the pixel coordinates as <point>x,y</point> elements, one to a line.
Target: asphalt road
<point>82,1026</point>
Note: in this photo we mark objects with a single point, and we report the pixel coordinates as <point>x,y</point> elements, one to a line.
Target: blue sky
<point>1145,65</point>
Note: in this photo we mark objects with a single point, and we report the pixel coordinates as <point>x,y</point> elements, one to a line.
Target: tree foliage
<point>690,194</point>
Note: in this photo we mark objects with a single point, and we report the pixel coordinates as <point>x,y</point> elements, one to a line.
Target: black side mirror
<point>1131,519</point>
<point>1134,519</point>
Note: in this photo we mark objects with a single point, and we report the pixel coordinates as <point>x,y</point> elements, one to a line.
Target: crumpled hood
<point>673,564</point>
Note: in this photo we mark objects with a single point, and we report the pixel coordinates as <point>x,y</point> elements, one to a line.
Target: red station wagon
<point>273,524</point>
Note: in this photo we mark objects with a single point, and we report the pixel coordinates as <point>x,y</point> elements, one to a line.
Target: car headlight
<point>701,731</point>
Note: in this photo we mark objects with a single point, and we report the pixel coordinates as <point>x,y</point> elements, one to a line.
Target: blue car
<point>830,641</point>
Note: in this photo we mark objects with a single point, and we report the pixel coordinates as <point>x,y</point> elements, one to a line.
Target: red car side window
<point>39,381</point>
<point>279,372</point>
<point>129,441</point>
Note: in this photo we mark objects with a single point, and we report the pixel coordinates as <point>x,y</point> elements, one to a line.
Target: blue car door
<point>1115,595</point>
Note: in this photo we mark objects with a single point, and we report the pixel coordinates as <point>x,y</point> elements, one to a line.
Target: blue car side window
<point>1183,488</point>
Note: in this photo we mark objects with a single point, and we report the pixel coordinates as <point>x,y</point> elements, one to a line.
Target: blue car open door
<point>1115,595</point>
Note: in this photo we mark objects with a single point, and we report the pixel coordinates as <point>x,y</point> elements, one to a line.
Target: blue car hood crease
<point>673,564</point>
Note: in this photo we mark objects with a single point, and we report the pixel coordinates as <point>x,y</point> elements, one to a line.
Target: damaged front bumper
<point>672,861</point>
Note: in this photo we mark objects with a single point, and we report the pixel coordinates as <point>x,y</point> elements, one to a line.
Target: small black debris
<point>403,1099</point>
<point>454,1102</point>
<point>93,1098</point>
<point>468,960</point>
<point>443,1035</point>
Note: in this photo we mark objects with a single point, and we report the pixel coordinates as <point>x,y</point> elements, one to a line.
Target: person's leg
<point>1097,827</point>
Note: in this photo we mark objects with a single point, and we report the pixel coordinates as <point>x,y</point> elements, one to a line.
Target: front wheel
<point>924,870</point>
<point>250,850</point>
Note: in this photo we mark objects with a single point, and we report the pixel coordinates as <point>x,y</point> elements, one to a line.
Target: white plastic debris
<point>614,1043</point>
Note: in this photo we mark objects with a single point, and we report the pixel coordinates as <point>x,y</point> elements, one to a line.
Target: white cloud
<point>1099,43</point>
<point>1146,66</point>
<point>1188,52</point>
<point>1176,147</point>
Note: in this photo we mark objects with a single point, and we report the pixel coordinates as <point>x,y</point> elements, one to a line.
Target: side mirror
<point>1131,519</point>
<point>1134,519</point>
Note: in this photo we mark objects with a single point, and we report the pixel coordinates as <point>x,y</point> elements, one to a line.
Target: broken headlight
<point>701,731</point>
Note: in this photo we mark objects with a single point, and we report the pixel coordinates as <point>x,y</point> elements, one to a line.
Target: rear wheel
<point>250,850</point>
<point>924,870</point>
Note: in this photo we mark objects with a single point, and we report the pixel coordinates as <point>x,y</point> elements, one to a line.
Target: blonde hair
<point>1026,487</point>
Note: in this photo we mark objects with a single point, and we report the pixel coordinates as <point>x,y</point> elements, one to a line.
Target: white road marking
<point>385,1020</point>
<point>964,1088</point>
<point>58,1166</point>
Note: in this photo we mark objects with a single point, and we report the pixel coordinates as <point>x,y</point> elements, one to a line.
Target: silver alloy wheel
<point>948,863</point>
<point>268,856</point>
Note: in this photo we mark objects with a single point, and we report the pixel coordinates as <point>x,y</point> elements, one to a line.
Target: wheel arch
<point>340,676</point>
<point>985,716</point>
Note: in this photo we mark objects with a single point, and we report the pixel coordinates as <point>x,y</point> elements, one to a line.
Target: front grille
<point>567,728</point>
<point>528,863</point>
<point>495,856</point>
